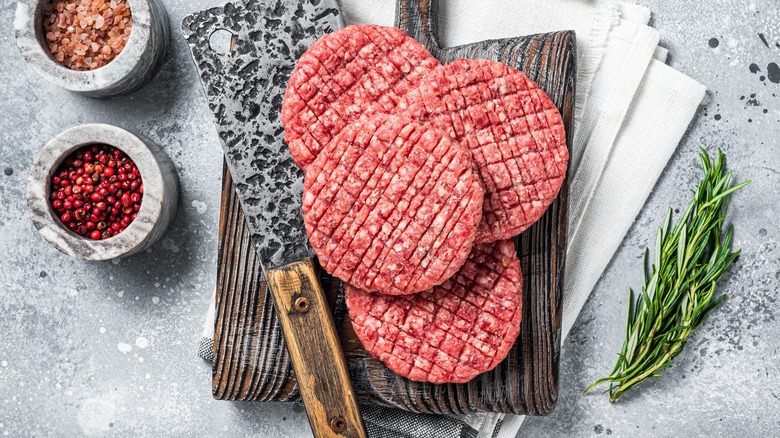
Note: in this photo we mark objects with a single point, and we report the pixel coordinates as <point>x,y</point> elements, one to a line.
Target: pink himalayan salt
<point>86,34</point>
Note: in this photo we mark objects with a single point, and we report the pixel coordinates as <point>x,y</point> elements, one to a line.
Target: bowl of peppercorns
<point>98,48</point>
<point>99,192</point>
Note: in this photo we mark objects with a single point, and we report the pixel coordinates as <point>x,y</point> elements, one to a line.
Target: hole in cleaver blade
<point>222,41</point>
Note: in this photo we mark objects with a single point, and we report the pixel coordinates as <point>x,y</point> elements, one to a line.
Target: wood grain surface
<point>251,361</point>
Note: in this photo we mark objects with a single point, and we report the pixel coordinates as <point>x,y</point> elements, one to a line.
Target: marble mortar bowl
<point>134,66</point>
<point>158,207</point>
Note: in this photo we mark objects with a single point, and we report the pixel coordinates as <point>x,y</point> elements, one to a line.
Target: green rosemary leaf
<point>679,285</point>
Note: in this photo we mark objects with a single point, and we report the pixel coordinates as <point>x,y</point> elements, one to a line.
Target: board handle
<point>317,358</point>
<point>420,20</point>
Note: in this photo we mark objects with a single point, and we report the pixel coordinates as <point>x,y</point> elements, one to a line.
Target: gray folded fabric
<point>384,422</point>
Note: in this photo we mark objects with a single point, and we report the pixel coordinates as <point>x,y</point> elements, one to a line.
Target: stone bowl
<point>158,208</point>
<point>134,66</point>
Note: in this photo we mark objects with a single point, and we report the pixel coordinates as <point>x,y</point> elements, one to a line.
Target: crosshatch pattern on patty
<point>452,332</point>
<point>392,206</point>
<point>513,129</point>
<point>344,75</point>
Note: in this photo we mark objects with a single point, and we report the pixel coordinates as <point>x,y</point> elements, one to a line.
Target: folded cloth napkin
<point>630,108</point>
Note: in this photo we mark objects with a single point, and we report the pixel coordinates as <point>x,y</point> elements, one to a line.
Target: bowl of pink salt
<point>98,48</point>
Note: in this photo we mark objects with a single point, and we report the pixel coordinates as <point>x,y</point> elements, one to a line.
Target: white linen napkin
<point>659,114</point>
<point>630,108</point>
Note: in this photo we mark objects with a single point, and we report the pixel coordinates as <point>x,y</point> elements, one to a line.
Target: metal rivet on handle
<point>338,424</point>
<point>302,306</point>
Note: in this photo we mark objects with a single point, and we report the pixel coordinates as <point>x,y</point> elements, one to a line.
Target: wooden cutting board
<point>251,362</point>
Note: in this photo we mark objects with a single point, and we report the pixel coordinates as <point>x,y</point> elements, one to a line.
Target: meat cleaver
<point>266,39</point>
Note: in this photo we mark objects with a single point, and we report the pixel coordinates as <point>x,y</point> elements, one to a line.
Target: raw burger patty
<point>343,75</point>
<point>450,333</point>
<point>513,129</point>
<point>392,206</point>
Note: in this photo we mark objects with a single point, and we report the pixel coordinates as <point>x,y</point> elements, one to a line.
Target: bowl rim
<point>49,224</point>
<point>28,27</point>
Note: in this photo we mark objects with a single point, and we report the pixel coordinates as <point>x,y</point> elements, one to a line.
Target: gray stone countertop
<point>107,348</point>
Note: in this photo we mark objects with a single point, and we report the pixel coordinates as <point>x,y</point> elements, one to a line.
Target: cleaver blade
<point>267,37</point>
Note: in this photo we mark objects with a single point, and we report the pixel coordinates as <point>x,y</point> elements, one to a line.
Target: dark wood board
<point>251,362</point>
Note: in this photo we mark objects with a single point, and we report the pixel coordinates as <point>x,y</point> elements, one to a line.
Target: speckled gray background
<point>109,348</point>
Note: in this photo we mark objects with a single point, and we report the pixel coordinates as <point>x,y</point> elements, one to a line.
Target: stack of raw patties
<point>417,174</point>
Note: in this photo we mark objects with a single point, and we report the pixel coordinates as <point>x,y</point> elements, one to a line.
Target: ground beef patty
<point>450,333</point>
<point>392,206</point>
<point>343,75</point>
<point>513,129</point>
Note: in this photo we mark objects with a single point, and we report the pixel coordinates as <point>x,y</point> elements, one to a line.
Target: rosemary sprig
<point>677,295</point>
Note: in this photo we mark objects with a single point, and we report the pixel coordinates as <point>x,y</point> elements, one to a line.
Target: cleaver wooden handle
<point>314,348</point>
